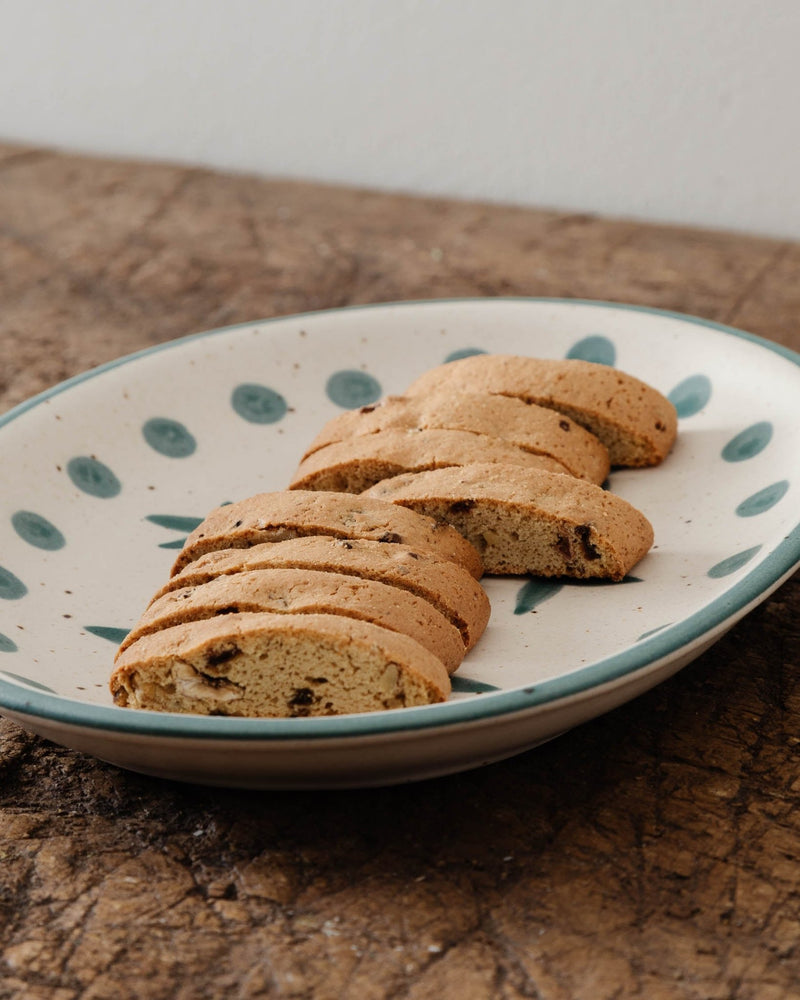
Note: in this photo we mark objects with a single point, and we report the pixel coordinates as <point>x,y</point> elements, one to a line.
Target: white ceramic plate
<point>104,475</point>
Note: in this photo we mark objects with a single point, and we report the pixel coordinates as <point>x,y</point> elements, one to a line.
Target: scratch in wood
<point>751,285</point>
<point>138,234</point>
<point>249,205</point>
<point>24,157</point>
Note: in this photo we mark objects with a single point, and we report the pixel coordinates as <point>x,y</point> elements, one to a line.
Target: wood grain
<point>653,853</point>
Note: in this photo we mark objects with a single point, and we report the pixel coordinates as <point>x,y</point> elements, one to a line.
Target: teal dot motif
<point>598,581</point>
<point>732,563</point>
<point>533,593</point>
<point>92,477</point>
<point>258,404</point>
<point>691,395</point>
<point>351,388</point>
<point>596,348</point>
<point>175,522</point>
<point>37,530</point>
<point>7,645</point>
<point>653,631</point>
<point>176,543</point>
<point>11,587</point>
<point>464,352</point>
<point>115,635</point>
<point>28,682</point>
<point>169,437</point>
<point>765,499</point>
<point>748,443</point>
<point>465,685</point>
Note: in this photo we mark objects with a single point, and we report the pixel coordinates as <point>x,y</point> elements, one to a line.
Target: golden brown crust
<point>442,582</point>
<point>533,428</point>
<point>527,521</point>
<point>354,465</point>
<point>267,665</point>
<point>634,421</point>
<point>269,517</point>
<point>294,591</point>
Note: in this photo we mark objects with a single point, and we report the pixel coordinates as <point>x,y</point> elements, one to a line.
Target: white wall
<point>684,111</point>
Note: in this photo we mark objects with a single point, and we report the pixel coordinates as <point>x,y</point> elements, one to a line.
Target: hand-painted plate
<point>104,475</point>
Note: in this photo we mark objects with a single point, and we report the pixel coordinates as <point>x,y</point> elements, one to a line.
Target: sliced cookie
<point>635,422</point>
<point>528,521</point>
<point>268,665</point>
<point>273,517</point>
<point>354,465</point>
<point>533,428</point>
<point>294,591</point>
<point>447,586</point>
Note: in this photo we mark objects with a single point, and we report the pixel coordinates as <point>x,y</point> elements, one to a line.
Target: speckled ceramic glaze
<point>104,476</point>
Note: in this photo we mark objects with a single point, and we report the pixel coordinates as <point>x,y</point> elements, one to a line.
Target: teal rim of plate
<point>698,630</point>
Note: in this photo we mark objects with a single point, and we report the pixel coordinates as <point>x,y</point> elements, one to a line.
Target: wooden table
<point>653,853</point>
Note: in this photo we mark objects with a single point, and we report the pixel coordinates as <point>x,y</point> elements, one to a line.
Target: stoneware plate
<point>104,475</point>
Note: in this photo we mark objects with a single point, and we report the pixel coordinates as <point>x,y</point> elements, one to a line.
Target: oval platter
<point>104,476</point>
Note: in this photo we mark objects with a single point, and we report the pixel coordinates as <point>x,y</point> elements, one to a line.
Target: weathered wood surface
<point>653,853</point>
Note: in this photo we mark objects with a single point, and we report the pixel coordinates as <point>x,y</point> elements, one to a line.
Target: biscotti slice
<point>447,586</point>
<point>293,591</point>
<point>273,517</point>
<point>634,421</point>
<point>354,465</point>
<point>267,665</point>
<point>533,428</point>
<point>528,521</point>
